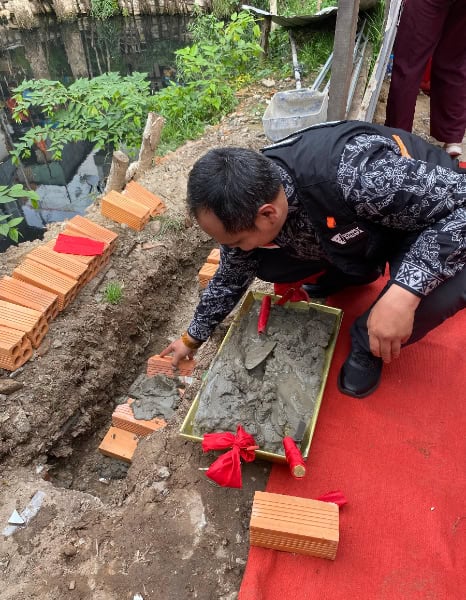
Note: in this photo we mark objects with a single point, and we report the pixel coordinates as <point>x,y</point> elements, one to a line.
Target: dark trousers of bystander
<point>427,28</point>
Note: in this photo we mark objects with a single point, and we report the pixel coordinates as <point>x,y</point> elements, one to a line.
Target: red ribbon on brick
<point>70,244</point>
<point>226,470</point>
<point>337,497</point>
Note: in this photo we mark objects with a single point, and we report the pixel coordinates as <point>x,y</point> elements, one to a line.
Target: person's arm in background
<point>406,194</point>
<point>234,275</point>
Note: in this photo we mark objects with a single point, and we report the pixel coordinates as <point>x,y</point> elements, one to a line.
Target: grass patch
<point>169,225</point>
<point>113,293</point>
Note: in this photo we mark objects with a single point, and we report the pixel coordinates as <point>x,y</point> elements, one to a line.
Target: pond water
<point>65,52</point>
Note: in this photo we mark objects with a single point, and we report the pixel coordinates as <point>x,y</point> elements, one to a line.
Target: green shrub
<point>8,224</point>
<point>103,9</point>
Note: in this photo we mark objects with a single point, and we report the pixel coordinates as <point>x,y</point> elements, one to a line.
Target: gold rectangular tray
<point>186,430</point>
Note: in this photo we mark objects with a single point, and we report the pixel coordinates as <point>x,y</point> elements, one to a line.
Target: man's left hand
<point>390,322</point>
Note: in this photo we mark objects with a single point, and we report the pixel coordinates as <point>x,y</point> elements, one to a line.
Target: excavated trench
<point>94,352</point>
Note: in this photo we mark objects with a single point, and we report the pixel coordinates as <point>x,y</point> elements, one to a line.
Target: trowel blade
<point>16,519</point>
<point>257,353</point>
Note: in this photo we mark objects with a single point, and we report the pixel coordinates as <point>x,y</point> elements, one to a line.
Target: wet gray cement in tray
<point>155,397</point>
<point>270,400</point>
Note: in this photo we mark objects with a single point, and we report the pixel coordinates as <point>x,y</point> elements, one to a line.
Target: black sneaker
<point>360,374</point>
<point>332,282</point>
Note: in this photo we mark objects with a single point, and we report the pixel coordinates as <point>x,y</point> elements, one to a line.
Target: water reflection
<point>64,52</point>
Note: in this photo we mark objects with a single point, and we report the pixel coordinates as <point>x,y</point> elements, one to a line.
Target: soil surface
<point>104,531</point>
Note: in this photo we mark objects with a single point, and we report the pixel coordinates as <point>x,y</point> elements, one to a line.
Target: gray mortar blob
<point>271,399</point>
<point>155,397</point>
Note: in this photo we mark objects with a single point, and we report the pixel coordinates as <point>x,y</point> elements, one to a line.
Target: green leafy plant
<point>113,292</point>
<point>8,224</point>
<point>103,9</point>
<point>221,58</point>
<point>109,110</point>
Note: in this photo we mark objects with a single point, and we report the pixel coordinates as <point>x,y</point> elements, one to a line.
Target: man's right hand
<point>179,351</point>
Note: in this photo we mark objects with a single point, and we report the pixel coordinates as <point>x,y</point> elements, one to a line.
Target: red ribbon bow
<point>226,470</point>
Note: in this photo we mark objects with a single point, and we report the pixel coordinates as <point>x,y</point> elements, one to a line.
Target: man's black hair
<point>233,183</point>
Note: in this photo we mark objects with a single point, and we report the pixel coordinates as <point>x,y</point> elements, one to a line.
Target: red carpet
<point>399,456</point>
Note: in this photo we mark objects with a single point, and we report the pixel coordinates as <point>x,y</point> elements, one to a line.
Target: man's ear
<point>268,212</point>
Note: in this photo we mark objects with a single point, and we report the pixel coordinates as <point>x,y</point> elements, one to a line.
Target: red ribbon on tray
<point>226,470</point>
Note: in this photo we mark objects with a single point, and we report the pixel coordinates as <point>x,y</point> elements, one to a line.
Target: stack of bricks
<point>209,268</point>
<point>122,438</point>
<point>43,285</point>
<point>134,207</point>
<point>293,524</point>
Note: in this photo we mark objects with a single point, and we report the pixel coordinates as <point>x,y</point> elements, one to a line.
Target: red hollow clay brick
<point>62,263</point>
<point>18,292</point>
<point>156,365</point>
<point>93,263</point>
<point>43,277</point>
<point>101,259</point>
<point>206,273</point>
<point>86,228</point>
<point>123,418</point>
<point>121,209</point>
<point>119,444</point>
<point>293,524</point>
<point>15,348</point>
<point>29,321</point>
<point>140,194</point>
<point>214,257</point>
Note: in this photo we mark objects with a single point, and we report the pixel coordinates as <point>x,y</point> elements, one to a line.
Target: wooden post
<point>150,141</point>
<point>117,176</point>
<point>342,63</point>
<point>265,33</point>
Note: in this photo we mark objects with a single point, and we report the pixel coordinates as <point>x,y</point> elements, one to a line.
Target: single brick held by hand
<point>156,365</point>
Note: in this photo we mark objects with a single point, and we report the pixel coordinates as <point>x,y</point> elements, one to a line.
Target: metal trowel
<point>257,353</point>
